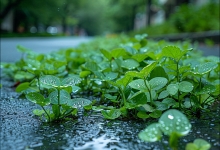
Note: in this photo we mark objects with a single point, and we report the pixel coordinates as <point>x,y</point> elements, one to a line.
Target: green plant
<point>130,77</point>
<point>198,144</point>
<point>174,124</point>
<point>59,98</point>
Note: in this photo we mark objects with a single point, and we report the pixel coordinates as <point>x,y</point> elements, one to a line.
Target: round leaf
<point>174,121</point>
<point>138,84</point>
<point>70,81</point>
<point>156,114</point>
<point>206,67</point>
<point>163,94</point>
<point>185,86</point>
<point>50,80</point>
<point>158,83</point>
<point>130,64</point>
<point>78,102</point>
<point>202,144</point>
<point>64,96</point>
<point>173,52</point>
<point>111,114</point>
<point>172,89</point>
<point>151,134</point>
<point>142,114</point>
<point>38,99</point>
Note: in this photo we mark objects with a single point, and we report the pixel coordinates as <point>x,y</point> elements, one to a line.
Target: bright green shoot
<point>174,124</point>
<point>59,98</point>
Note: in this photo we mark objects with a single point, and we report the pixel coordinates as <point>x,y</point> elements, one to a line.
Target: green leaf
<point>108,96</point>
<point>21,87</point>
<point>56,110</point>
<point>23,49</point>
<point>207,89</point>
<point>140,57</point>
<point>106,53</point>
<point>111,114</point>
<point>191,146</point>
<point>198,144</point>
<point>119,52</point>
<point>38,112</point>
<point>139,99</point>
<point>143,73</point>
<point>124,81</point>
<point>50,81</point>
<point>173,52</point>
<point>158,83</point>
<point>84,74</point>
<point>130,64</point>
<point>202,144</point>
<point>206,67</point>
<point>138,84</point>
<point>185,86</point>
<point>158,72</point>
<point>147,70</point>
<point>74,89</point>
<point>174,121</point>
<point>64,97</point>
<point>172,88</point>
<point>169,102</point>
<point>151,134</point>
<point>22,75</point>
<point>70,81</point>
<point>142,115</point>
<point>148,108</point>
<point>163,94</point>
<point>78,102</point>
<point>110,75</point>
<point>38,99</point>
<point>161,106</point>
<point>91,66</point>
<point>156,114</point>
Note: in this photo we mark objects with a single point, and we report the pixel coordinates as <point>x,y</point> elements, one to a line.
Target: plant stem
<point>65,114</point>
<point>145,83</point>
<point>178,80</point>
<point>177,71</point>
<point>38,80</point>
<point>123,95</point>
<point>46,113</point>
<point>200,88</point>
<point>58,102</point>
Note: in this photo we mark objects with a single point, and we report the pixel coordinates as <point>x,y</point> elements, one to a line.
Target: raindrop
<point>170,117</point>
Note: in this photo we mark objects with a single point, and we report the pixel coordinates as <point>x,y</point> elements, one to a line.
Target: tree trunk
<point>8,8</point>
<point>149,12</point>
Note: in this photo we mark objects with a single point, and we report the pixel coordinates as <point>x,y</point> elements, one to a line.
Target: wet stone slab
<point>21,130</point>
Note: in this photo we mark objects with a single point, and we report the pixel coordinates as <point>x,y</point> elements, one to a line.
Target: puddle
<point>21,130</point>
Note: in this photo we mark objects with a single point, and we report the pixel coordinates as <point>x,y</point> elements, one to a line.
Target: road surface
<point>44,45</point>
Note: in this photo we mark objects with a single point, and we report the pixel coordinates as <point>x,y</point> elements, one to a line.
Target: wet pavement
<point>44,45</point>
<point>21,130</point>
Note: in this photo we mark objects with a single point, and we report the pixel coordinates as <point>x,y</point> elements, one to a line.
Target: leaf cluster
<point>131,77</point>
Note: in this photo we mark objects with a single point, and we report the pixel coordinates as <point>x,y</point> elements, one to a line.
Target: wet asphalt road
<point>9,51</point>
<point>45,45</point>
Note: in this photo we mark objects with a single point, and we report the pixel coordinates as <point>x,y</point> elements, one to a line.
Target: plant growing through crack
<point>59,98</point>
<point>174,124</point>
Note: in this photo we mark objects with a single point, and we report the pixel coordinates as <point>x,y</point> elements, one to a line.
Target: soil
<point>21,130</point>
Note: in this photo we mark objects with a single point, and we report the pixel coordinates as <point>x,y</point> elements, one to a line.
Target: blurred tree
<point>6,6</point>
<point>101,16</point>
<point>124,12</point>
